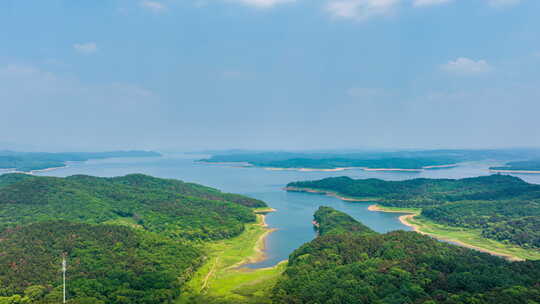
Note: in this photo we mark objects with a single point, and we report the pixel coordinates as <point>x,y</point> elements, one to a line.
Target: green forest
<point>349,263</point>
<point>130,239</point>
<point>505,208</point>
<point>29,161</point>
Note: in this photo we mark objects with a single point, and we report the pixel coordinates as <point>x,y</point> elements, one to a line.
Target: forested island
<point>530,166</point>
<point>350,263</point>
<point>34,161</point>
<point>498,207</point>
<point>400,160</point>
<point>130,239</point>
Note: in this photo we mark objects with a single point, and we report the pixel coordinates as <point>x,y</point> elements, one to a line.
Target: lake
<point>294,210</point>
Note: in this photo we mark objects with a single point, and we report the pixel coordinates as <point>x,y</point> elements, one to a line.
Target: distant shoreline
<point>329,193</point>
<point>338,169</point>
<point>515,171</point>
<point>30,172</point>
<point>309,169</point>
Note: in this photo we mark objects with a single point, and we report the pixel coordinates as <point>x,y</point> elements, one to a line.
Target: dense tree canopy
<point>173,208</point>
<point>130,239</point>
<point>107,263</point>
<point>504,207</point>
<point>399,267</point>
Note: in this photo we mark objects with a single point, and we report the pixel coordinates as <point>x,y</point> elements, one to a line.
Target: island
<point>379,161</point>
<point>386,161</point>
<point>40,161</point>
<point>526,167</point>
<point>499,214</point>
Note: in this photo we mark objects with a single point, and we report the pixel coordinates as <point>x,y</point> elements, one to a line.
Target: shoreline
<point>440,166</point>
<point>338,169</point>
<point>329,193</point>
<point>515,171</point>
<point>309,169</point>
<point>260,245</point>
<point>405,220</point>
<point>45,170</point>
<point>392,169</point>
<point>224,270</point>
<point>31,172</point>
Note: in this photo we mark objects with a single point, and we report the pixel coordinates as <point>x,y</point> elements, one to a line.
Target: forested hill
<point>172,208</point>
<point>503,207</point>
<point>130,239</point>
<point>328,220</point>
<point>107,264</point>
<point>400,267</point>
<point>30,161</point>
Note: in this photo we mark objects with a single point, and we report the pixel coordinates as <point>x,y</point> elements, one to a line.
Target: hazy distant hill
<point>29,161</point>
<point>370,159</point>
<point>530,165</point>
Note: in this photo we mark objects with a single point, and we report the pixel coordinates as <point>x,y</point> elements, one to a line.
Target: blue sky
<point>269,74</point>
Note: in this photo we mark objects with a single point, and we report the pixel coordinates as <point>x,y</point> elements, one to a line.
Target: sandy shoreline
<point>393,169</point>
<point>308,169</point>
<point>246,164</point>
<point>515,171</point>
<point>260,245</point>
<point>440,166</point>
<point>31,172</point>
<point>46,170</point>
<point>328,193</point>
<point>404,219</point>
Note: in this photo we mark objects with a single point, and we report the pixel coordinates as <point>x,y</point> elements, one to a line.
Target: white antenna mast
<point>64,274</point>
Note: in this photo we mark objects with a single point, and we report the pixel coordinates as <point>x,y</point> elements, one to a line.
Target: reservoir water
<point>294,210</point>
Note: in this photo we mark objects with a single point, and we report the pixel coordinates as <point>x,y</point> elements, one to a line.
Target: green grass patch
<point>416,211</point>
<point>222,279</point>
<point>473,237</point>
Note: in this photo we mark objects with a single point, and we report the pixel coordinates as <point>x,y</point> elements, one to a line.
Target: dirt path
<point>205,281</point>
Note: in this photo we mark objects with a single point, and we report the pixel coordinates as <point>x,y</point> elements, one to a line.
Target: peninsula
<point>497,213</point>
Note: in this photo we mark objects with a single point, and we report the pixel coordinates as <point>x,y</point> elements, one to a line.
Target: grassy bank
<point>471,238</point>
<point>223,279</point>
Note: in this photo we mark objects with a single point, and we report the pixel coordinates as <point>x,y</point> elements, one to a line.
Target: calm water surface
<point>294,210</point>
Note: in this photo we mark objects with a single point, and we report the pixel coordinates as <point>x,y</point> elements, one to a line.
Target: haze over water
<point>294,210</point>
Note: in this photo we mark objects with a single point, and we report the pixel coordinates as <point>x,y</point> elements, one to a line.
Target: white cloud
<point>466,66</point>
<point>503,3</point>
<point>419,3</point>
<point>264,3</point>
<point>154,6</point>
<point>86,48</point>
<point>361,9</point>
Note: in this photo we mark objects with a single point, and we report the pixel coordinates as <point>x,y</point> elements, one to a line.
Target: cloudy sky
<point>269,74</point>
